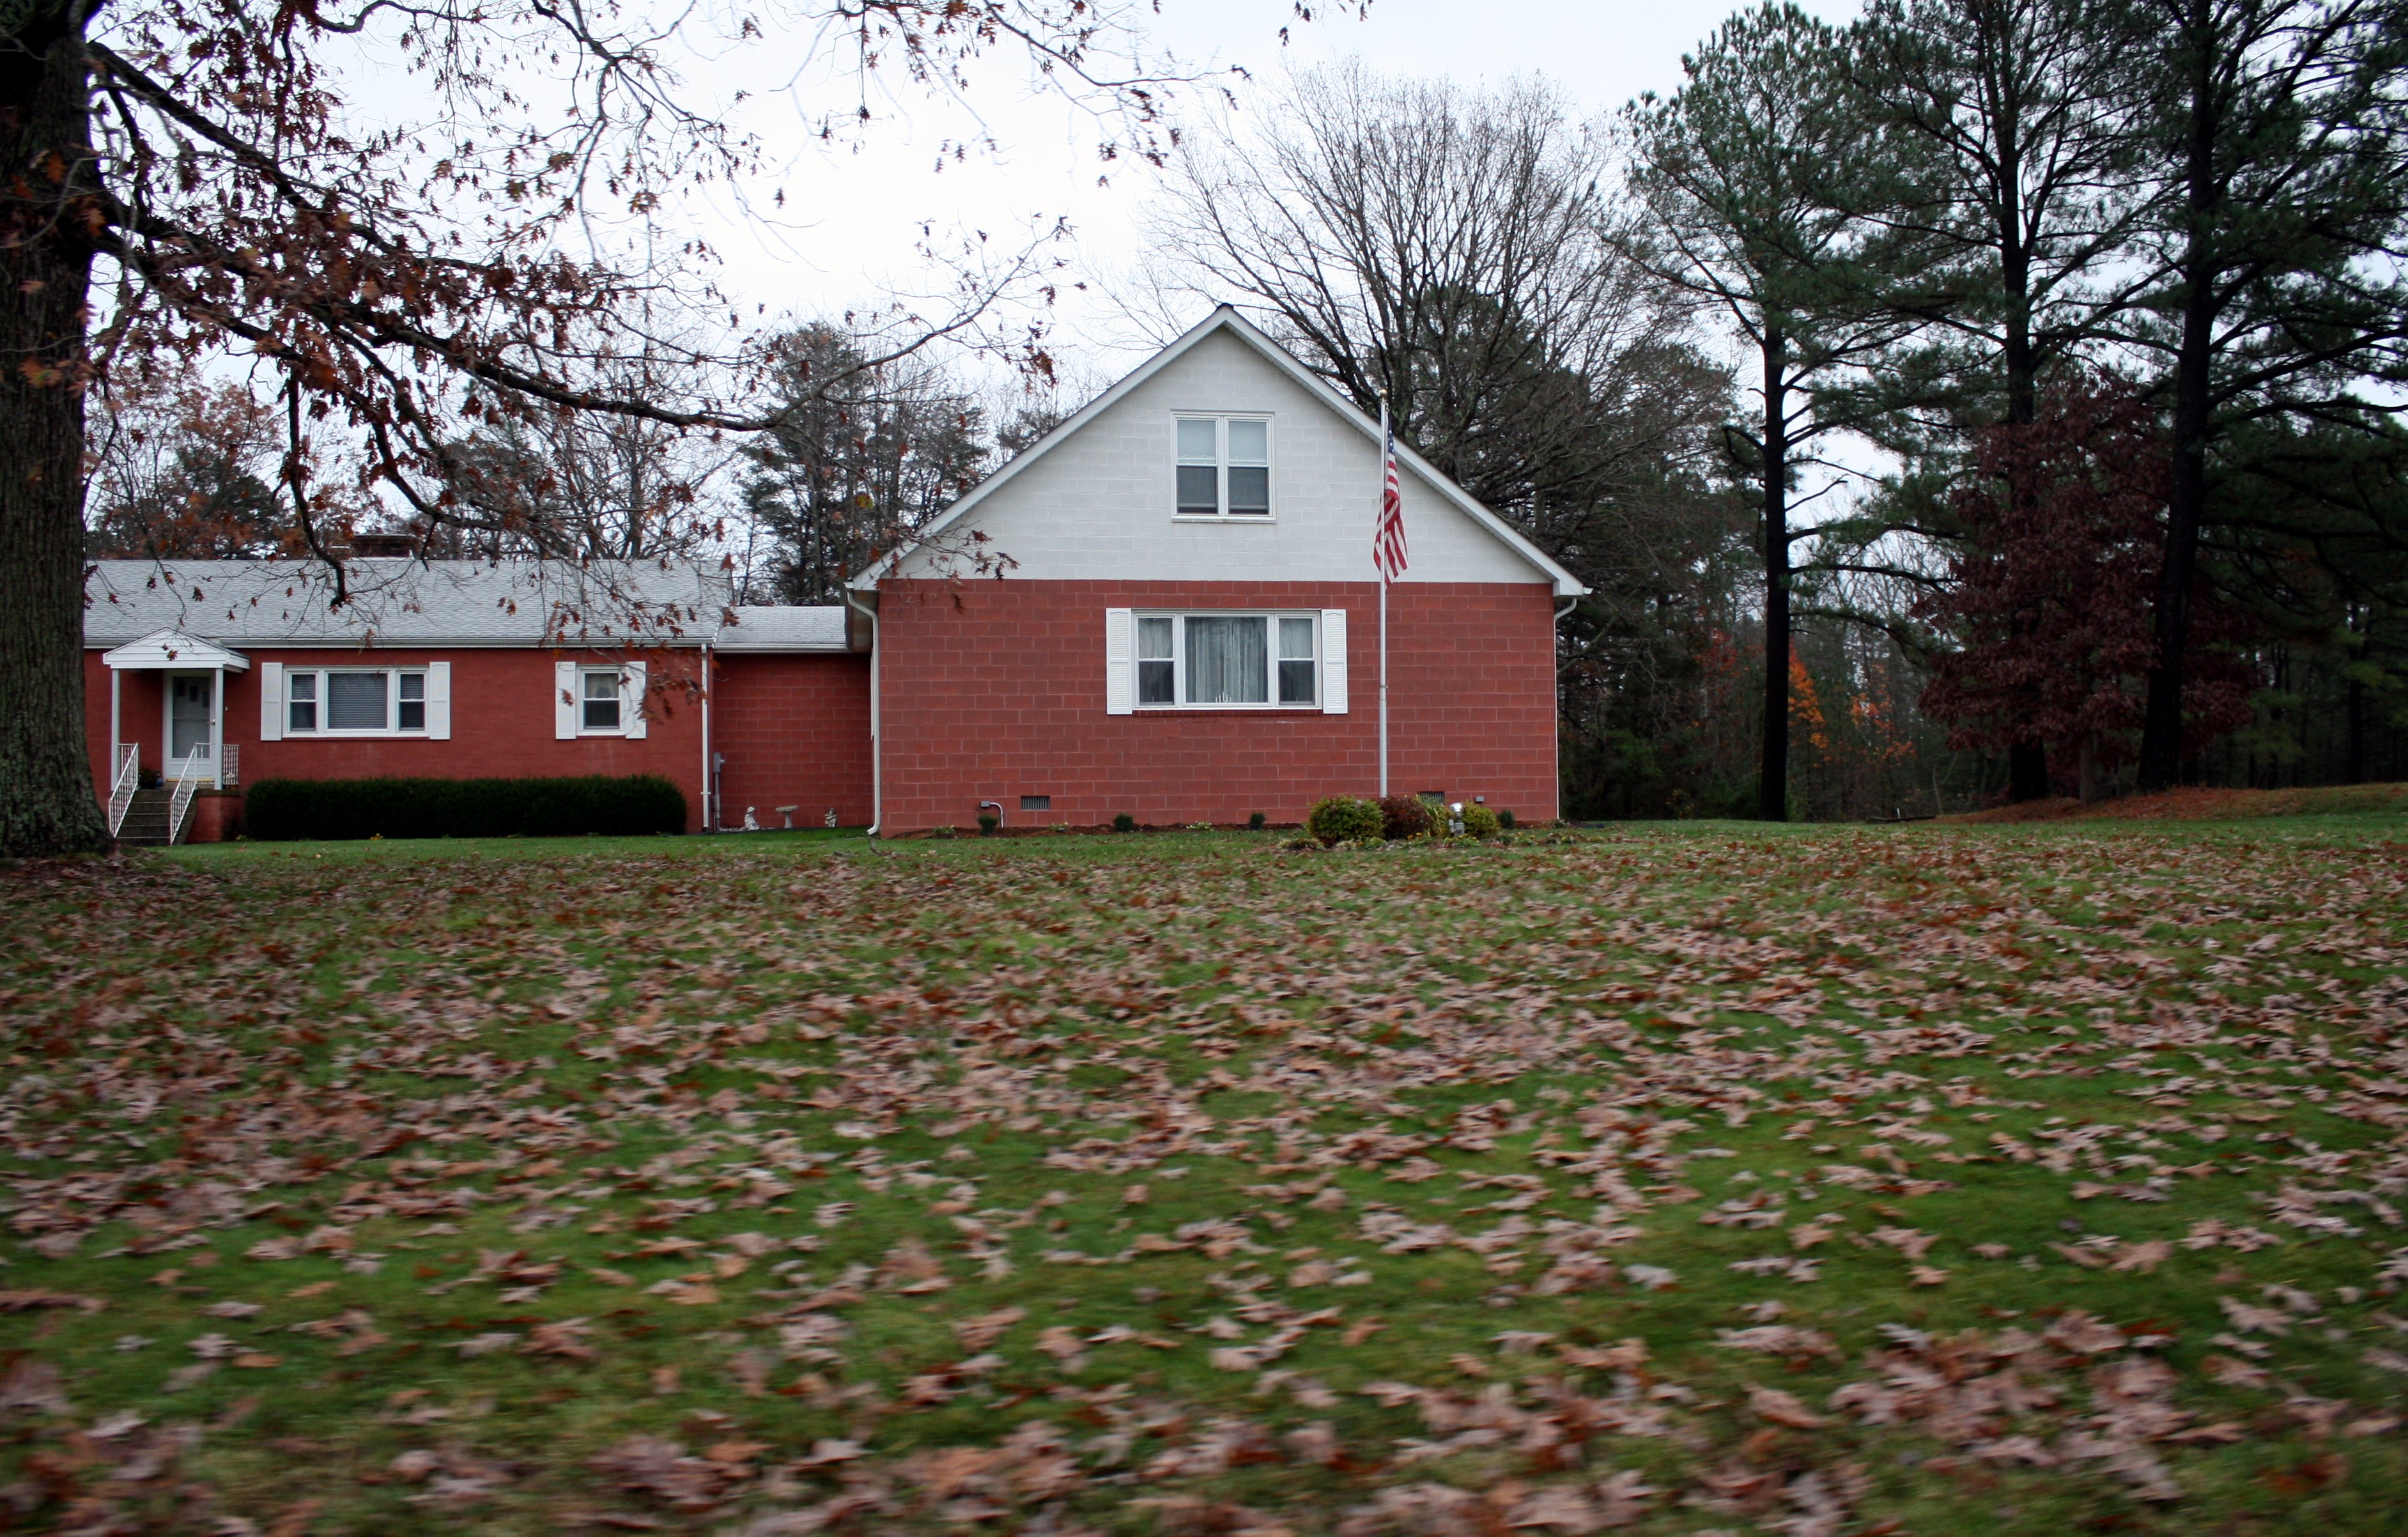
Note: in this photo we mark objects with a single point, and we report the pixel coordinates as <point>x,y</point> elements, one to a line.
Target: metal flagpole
<point>1376,519</point>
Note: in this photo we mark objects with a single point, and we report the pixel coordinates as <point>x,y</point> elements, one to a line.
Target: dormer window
<point>1224,467</point>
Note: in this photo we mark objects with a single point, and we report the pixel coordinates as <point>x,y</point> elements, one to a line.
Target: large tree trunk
<point>1773,792</point>
<point>2161,728</point>
<point>47,208</point>
<point>2027,760</point>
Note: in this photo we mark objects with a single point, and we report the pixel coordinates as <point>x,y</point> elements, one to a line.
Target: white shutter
<point>564,700</point>
<point>271,701</point>
<point>438,700</point>
<point>1120,662</point>
<point>1333,661</point>
<point>631,698</point>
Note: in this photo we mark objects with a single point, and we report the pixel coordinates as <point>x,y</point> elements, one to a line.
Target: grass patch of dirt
<point>1677,1178</point>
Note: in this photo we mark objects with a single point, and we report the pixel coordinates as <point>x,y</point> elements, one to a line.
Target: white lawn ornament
<point>829,820</point>
<point>751,823</point>
<point>1454,820</point>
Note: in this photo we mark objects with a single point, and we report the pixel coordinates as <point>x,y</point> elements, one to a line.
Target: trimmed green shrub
<point>1123,822</point>
<point>284,810</point>
<point>1505,819</point>
<point>1480,822</point>
<point>988,824</point>
<point>1344,819</point>
<point>1406,816</point>
<point>1255,821</point>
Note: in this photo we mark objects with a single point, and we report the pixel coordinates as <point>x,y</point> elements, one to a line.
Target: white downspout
<point>877,757</point>
<point>1557,736</point>
<point>709,796</point>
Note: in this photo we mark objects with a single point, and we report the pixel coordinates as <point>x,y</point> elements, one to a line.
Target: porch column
<point>116,730</point>
<point>217,729</point>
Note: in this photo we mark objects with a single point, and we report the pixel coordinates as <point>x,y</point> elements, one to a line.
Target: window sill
<point>356,735</point>
<point>1228,710</point>
<point>1245,519</point>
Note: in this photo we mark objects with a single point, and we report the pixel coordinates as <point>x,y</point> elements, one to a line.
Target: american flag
<point>1388,538</point>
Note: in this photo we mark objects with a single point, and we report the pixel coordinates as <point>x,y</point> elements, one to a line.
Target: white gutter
<point>877,756</point>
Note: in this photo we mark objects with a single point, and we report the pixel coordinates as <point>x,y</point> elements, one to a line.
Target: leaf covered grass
<point>1667,1179</point>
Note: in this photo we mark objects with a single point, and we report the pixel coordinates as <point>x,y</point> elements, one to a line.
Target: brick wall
<point>501,724</point>
<point>795,731</point>
<point>992,690</point>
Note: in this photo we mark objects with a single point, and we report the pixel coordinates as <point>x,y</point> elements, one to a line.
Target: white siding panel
<point>1098,507</point>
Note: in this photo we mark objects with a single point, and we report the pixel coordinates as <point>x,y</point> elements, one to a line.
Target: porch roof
<point>163,649</point>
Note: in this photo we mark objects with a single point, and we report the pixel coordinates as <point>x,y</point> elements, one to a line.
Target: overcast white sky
<point>854,215</point>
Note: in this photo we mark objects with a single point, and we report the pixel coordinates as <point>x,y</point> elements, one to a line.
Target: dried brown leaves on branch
<point>482,253</point>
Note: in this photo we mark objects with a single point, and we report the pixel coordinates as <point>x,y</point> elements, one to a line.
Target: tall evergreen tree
<point>2280,131</point>
<point>863,456</point>
<point>1747,174</point>
<point>2015,161</point>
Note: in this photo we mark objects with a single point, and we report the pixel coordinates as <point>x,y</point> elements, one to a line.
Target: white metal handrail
<point>185,784</point>
<point>121,787</point>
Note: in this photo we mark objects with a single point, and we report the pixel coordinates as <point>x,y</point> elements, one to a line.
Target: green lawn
<point>1668,1179</point>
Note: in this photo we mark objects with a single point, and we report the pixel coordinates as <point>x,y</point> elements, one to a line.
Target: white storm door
<point>192,722</point>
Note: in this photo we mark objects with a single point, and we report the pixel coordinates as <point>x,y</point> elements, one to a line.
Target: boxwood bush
<point>1343,819</point>
<point>281,810</point>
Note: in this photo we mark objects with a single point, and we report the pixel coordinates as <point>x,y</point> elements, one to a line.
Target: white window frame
<point>1271,617</point>
<point>618,692</point>
<point>319,686</point>
<point>1221,467</point>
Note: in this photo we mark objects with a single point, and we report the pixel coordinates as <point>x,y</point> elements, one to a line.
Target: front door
<point>190,700</point>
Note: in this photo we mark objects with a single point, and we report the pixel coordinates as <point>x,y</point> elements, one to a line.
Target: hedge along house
<point>1168,608</point>
<point>208,674</point>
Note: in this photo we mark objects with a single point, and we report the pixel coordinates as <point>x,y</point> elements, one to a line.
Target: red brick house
<point>1184,627</point>
<point>1166,607</point>
<point>226,673</point>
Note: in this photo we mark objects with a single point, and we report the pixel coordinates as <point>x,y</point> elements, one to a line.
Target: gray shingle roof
<point>756,627</point>
<point>395,603</point>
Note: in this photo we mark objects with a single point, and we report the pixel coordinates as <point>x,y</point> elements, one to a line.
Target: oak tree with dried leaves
<point>184,177</point>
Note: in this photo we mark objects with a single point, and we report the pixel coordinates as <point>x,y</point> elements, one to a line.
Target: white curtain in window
<point>1228,661</point>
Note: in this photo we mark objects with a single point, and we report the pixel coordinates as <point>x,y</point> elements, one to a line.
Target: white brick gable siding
<point>1096,503</point>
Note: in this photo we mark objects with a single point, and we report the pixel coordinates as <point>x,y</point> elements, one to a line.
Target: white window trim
<point>322,732</point>
<point>1221,421</point>
<point>1178,618</point>
<point>632,687</point>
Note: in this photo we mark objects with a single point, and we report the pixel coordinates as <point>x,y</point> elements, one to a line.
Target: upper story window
<point>1224,467</point>
<point>354,701</point>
